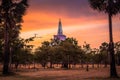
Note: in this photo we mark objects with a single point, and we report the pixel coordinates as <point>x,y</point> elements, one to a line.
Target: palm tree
<point>111,7</point>
<point>11,12</point>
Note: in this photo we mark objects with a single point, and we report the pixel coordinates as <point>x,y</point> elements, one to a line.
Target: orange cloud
<point>84,25</point>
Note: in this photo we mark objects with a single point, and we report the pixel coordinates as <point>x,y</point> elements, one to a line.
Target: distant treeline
<point>64,53</point>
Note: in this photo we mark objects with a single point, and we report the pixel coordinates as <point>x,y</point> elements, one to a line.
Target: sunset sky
<point>78,21</point>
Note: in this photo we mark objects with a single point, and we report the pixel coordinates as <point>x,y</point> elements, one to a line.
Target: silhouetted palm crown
<point>102,5</point>
<point>15,10</point>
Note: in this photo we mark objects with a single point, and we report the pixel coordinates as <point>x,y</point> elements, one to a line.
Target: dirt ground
<point>60,74</point>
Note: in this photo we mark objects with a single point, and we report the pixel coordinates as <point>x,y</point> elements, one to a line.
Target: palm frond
<point>103,6</point>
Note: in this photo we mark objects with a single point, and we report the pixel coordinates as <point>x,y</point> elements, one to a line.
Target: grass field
<point>60,74</point>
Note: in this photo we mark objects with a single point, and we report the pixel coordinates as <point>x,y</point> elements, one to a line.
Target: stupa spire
<point>60,36</point>
<point>60,31</point>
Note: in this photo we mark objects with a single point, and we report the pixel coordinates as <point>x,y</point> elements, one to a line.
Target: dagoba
<point>60,36</point>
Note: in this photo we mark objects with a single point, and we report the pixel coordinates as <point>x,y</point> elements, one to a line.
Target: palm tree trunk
<point>6,4</point>
<point>51,64</point>
<point>6,52</point>
<point>10,61</point>
<point>93,65</point>
<point>113,72</point>
<point>87,67</point>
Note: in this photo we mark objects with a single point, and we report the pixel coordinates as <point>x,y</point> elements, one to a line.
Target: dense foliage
<point>67,54</point>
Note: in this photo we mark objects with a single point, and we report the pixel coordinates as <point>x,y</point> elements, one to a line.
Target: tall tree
<point>104,53</point>
<point>11,12</point>
<point>111,7</point>
<point>71,52</point>
<point>117,51</point>
<point>20,50</point>
<point>1,50</point>
<point>87,49</point>
<point>1,43</point>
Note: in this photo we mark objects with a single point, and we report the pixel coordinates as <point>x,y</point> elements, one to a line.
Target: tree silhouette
<point>88,55</point>
<point>11,12</point>
<point>104,53</point>
<point>67,52</point>
<point>117,51</point>
<point>111,7</point>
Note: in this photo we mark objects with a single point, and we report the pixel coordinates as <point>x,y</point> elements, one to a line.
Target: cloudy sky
<point>78,21</point>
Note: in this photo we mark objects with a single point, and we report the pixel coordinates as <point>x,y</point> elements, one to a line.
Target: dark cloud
<point>70,8</point>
